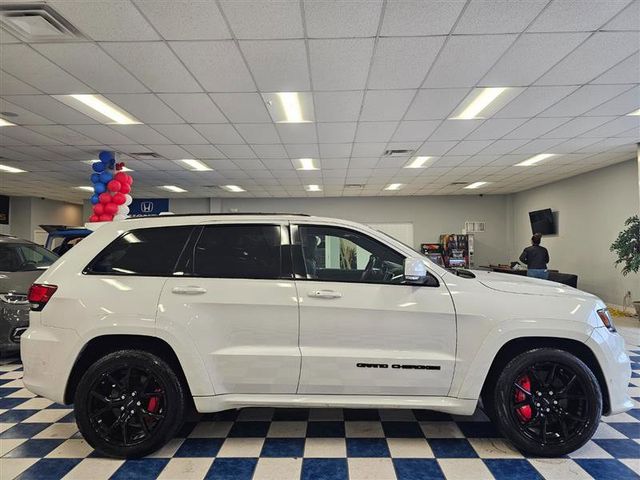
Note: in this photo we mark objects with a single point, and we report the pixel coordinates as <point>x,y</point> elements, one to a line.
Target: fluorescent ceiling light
<point>233,188</point>
<point>534,160</point>
<point>289,107</point>
<point>394,186</point>
<point>306,164</point>
<point>482,101</point>
<point>418,162</point>
<point>313,188</point>
<point>636,114</point>
<point>196,165</point>
<point>475,185</point>
<point>173,188</point>
<point>4,123</point>
<point>103,107</point>
<point>84,188</point>
<point>8,169</point>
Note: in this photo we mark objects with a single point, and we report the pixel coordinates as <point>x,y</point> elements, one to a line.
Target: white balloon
<point>123,210</point>
<point>129,199</point>
<point>120,217</point>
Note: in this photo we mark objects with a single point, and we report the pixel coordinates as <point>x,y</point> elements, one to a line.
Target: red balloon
<point>94,218</point>
<point>119,198</point>
<point>129,179</point>
<point>113,186</point>
<point>110,208</point>
<point>105,218</point>
<point>125,188</point>
<point>105,197</point>
<point>98,209</point>
<point>121,177</point>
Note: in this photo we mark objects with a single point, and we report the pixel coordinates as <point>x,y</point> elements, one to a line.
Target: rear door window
<point>144,251</point>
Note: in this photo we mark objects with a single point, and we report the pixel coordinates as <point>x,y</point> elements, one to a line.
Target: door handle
<point>189,290</point>
<point>325,294</point>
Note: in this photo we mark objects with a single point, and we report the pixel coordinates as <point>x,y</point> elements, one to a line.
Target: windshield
<point>23,257</point>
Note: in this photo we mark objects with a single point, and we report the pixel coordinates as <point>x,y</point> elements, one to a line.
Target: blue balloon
<point>98,167</point>
<point>94,199</point>
<point>105,156</point>
<point>106,177</point>
<point>95,178</point>
<point>99,188</point>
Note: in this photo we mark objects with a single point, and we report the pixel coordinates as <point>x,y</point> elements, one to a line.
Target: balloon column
<point>111,186</point>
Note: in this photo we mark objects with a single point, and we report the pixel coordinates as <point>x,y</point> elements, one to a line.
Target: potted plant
<point>627,248</point>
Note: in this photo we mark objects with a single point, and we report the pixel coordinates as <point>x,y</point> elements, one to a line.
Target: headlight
<point>605,316</point>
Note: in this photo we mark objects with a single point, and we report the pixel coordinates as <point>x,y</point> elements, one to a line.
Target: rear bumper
<point>609,350</point>
<point>14,320</point>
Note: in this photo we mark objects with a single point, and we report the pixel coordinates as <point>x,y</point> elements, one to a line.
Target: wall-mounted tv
<point>542,222</point>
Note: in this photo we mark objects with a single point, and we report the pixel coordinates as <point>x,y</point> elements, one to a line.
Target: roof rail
<point>218,215</point>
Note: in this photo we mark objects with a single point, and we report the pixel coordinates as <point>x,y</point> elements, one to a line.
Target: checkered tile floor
<point>39,440</point>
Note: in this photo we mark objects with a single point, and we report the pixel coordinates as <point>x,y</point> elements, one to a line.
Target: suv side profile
<point>146,317</point>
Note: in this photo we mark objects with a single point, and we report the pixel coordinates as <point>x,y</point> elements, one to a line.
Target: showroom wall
<point>27,213</point>
<point>592,208</point>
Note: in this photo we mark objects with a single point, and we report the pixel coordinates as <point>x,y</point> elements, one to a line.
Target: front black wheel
<point>547,402</point>
<point>129,403</point>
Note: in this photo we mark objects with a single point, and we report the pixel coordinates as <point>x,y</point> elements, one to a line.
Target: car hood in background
<point>18,282</point>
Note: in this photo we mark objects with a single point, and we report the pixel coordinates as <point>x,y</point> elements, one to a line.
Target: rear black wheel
<point>547,402</point>
<point>129,403</point>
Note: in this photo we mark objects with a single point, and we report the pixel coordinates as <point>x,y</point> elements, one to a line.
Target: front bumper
<point>613,359</point>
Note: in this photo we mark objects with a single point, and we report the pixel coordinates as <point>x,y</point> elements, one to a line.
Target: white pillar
<point>638,160</point>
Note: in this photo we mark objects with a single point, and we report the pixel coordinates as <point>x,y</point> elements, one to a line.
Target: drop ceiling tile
<point>242,107</point>
<point>146,107</point>
<point>583,100</point>
<point>535,147</point>
<point>277,65</point>
<point>193,107</point>
<point>278,164</point>
<point>106,20</point>
<point>269,151</point>
<point>218,66</point>
<point>236,151</point>
<point>536,127</point>
<point>185,19</point>
<point>415,17</point>
<point>624,72</point>
<point>10,85</point>
<point>533,101</point>
<point>342,18</point>
<point>337,106</point>
<point>434,149</point>
<point>180,134</point>
<point>302,150</point>
<point>103,134</point>
<point>579,67</point>
<point>368,149</point>
<point>259,19</point>
<point>154,64</point>
<point>381,105</point>
<point>335,150</point>
<point>219,133</point>
<point>403,62</point>
<point>410,131</point>
<point>576,15</point>
<point>142,134</point>
<point>614,127</point>
<point>577,127</point>
<point>530,57</point>
<point>203,151</point>
<point>375,131</point>
<point>25,117</point>
<point>431,104</point>
<point>495,128</point>
<point>297,132</point>
<point>170,152</point>
<point>469,147</point>
<point>336,132</point>
<point>340,64</point>
<point>264,133</point>
<point>464,60</point>
<point>483,16</point>
<point>627,19</point>
<point>63,134</point>
<point>573,145</point>
<point>504,146</point>
<point>454,130</point>
<point>623,104</point>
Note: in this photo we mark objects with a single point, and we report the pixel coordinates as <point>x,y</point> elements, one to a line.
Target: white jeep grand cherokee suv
<point>147,317</point>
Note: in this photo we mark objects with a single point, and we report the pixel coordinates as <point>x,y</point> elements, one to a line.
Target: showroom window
<point>146,251</point>
<point>342,255</point>
<point>238,251</point>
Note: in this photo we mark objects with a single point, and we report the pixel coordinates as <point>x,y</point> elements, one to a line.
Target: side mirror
<point>415,271</point>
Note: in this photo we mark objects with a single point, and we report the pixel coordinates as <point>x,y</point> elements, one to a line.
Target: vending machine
<point>457,250</point>
<point>434,252</point>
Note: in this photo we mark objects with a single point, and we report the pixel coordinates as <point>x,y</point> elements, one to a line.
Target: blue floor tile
<point>601,469</point>
<point>58,406</point>
<point>635,413</point>
<point>232,469</point>
<point>367,447</point>
<point>402,430</point>
<point>479,430</point>
<point>34,448</point>
<point>361,414</point>
<point>325,429</point>
<point>417,469</point>
<point>11,402</point>
<point>24,430</point>
<point>452,448</point>
<point>512,469</point>
<point>199,447</point>
<point>324,469</point>
<point>68,418</point>
<point>620,448</point>
<point>49,469</point>
<point>283,447</point>
<point>7,391</point>
<point>631,430</point>
<point>249,429</point>
<point>15,416</point>
<point>146,468</point>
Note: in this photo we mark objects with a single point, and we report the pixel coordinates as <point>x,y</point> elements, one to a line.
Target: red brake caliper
<point>154,403</point>
<point>524,412</point>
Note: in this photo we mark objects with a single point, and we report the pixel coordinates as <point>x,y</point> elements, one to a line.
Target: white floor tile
<point>94,469</point>
<point>441,430</point>
<point>241,447</point>
<point>287,429</point>
<point>38,403</point>
<point>325,448</point>
<point>371,469</point>
<point>606,431</point>
<point>363,429</point>
<point>8,444</point>
<point>590,450</point>
<point>186,469</point>
<point>409,448</point>
<point>211,430</point>
<point>278,468</point>
<point>168,450</point>
<point>464,469</point>
<point>58,430</point>
<point>494,448</point>
<point>22,393</point>
<point>563,468</point>
<point>72,448</point>
<point>50,415</point>
<point>10,468</point>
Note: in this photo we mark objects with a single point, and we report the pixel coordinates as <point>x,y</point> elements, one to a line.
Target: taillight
<point>605,317</point>
<point>40,294</point>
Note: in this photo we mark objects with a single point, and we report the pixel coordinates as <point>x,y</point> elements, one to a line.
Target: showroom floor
<point>39,440</point>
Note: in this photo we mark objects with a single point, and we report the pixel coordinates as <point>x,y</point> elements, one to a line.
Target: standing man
<point>536,258</point>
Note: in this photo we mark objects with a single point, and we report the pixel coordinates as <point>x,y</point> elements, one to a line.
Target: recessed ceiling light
<point>636,113</point>
<point>4,123</point>
<point>290,107</point>
<point>482,101</point>
<point>394,186</point>
<point>90,104</point>
<point>173,188</point>
<point>233,188</point>
<point>84,188</point>
<point>535,159</point>
<point>313,188</point>
<point>475,185</point>
<point>306,164</point>
<point>8,169</point>
<point>196,165</point>
<point>418,162</point>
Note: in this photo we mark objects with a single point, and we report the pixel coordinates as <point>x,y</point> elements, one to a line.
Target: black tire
<point>545,422</point>
<point>98,401</point>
